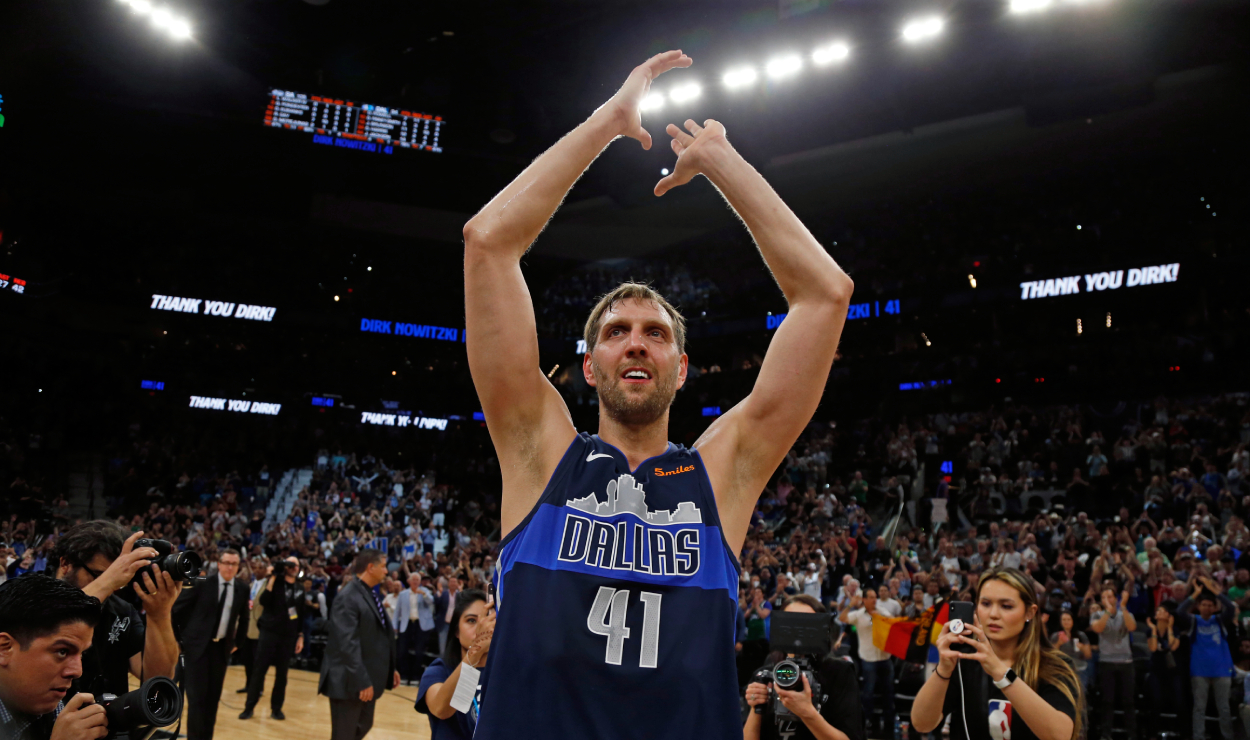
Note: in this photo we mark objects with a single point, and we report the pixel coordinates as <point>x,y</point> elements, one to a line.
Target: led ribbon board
<point>352,125</point>
<point>1100,281</point>
<point>865,310</point>
<point>420,331</point>
<point>240,407</point>
<point>211,308</point>
<point>399,420</point>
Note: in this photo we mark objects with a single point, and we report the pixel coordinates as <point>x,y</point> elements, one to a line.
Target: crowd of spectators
<point>1126,520</point>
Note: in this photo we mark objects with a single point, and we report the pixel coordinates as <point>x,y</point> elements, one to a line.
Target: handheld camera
<point>181,566</point>
<point>155,704</point>
<point>808,638</point>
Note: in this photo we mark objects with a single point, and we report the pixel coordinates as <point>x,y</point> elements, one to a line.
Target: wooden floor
<point>307,714</point>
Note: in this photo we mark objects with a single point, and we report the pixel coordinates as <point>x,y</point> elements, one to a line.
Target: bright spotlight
<point>832,53</point>
<point>925,28</point>
<point>784,66</point>
<point>1029,6</point>
<point>162,18</point>
<point>740,77</point>
<point>142,7</point>
<point>652,102</point>
<point>180,29</point>
<point>681,94</point>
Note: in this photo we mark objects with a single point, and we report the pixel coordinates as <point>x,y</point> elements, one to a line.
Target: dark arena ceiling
<point>134,164</point>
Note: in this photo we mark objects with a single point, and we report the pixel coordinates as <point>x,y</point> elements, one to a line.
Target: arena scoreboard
<point>352,125</point>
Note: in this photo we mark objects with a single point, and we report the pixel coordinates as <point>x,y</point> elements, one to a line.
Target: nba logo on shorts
<point>1000,719</point>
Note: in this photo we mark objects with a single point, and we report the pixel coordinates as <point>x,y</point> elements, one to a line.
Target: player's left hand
<point>159,592</point>
<point>692,150</point>
<point>798,702</point>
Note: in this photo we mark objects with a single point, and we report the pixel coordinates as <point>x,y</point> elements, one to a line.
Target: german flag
<point>910,639</point>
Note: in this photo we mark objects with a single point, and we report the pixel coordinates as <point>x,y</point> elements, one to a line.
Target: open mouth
<point>636,375</point>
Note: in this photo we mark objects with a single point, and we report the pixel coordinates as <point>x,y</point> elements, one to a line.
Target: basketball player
<point>617,577</point>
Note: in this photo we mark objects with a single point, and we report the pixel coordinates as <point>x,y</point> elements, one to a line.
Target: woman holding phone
<point>1011,681</point>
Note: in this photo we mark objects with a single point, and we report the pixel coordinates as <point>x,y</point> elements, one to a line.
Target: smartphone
<point>964,611</point>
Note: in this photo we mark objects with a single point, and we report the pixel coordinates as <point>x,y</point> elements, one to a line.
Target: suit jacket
<point>196,612</point>
<point>253,629</point>
<point>425,609</point>
<point>440,609</point>
<point>360,650</point>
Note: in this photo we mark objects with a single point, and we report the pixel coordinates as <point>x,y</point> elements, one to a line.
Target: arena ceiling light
<point>162,18</point>
<point>683,93</point>
<point>831,53</point>
<point>785,66</point>
<point>654,101</point>
<point>1020,7</point>
<point>923,29</point>
<point>740,77</point>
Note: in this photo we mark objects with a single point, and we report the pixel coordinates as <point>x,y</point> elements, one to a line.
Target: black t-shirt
<point>842,708</point>
<point>118,635</point>
<point>989,713</point>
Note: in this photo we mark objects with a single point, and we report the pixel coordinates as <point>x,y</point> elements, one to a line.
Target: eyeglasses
<point>94,573</point>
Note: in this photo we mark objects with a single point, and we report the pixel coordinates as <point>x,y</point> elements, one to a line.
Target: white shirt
<point>951,566</point>
<point>863,629</point>
<point>224,624</point>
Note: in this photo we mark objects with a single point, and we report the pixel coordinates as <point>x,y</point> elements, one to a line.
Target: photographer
<point>987,699</point>
<point>280,635</point>
<point>98,558</point>
<point>45,625</point>
<point>839,717</point>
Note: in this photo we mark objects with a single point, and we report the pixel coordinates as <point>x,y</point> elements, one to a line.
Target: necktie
<point>378,602</point>
<point>221,607</point>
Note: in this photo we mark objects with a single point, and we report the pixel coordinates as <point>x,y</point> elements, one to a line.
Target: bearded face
<point>635,365</point>
<point>635,392</point>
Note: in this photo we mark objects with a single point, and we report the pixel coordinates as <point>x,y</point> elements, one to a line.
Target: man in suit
<point>416,623</point>
<point>209,615</point>
<point>249,632</point>
<point>280,636</point>
<point>360,659</point>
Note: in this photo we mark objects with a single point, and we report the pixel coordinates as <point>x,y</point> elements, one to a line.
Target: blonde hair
<point>1037,661</point>
<point>637,292</point>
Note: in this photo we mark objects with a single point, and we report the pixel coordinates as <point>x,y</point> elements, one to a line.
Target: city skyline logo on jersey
<point>623,534</point>
<point>625,496</point>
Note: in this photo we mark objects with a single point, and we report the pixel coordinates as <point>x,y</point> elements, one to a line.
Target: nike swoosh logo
<point>596,456</point>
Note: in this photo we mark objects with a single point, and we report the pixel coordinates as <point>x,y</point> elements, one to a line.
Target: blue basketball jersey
<point>617,601</point>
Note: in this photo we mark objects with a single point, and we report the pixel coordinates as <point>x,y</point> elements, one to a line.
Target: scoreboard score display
<point>353,125</point>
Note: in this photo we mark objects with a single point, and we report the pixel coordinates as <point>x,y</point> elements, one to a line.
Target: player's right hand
<point>124,568</point>
<point>757,694</point>
<point>81,719</point>
<point>624,109</point>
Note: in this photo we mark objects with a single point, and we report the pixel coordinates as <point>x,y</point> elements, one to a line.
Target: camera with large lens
<point>155,704</point>
<point>183,567</point>
<point>807,637</point>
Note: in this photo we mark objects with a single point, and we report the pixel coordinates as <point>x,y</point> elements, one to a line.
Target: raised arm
<point>527,419</point>
<point>744,447</point>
